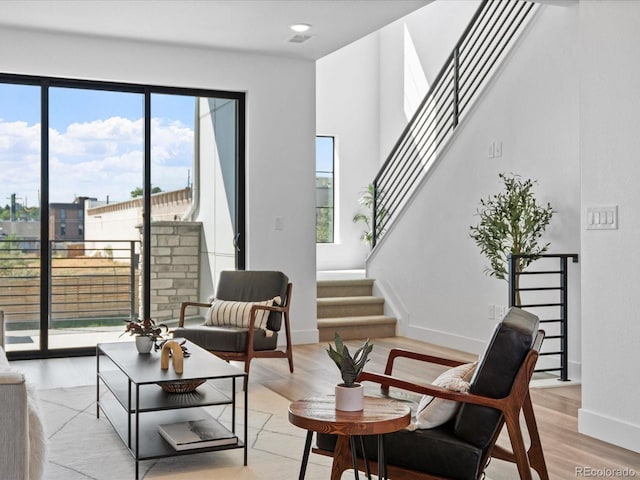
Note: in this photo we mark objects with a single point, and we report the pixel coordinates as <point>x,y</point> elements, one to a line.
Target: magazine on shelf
<point>202,433</point>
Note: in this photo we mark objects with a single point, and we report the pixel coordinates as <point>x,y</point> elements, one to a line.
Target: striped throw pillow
<point>238,314</point>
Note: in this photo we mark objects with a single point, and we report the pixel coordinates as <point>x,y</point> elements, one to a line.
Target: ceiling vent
<point>300,38</point>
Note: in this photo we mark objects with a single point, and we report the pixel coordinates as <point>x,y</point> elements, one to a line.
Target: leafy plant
<point>350,366</point>
<point>145,328</point>
<point>366,201</point>
<point>511,222</point>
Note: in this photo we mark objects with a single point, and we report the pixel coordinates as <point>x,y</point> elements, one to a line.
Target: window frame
<point>45,83</point>
<point>332,208</point>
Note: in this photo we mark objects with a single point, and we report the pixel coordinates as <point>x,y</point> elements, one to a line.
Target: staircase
<point>475,58</point>
<point>349,308</point>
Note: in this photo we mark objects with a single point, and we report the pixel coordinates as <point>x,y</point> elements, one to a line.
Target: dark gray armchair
<point>231,342</point>
<point>461,448</point>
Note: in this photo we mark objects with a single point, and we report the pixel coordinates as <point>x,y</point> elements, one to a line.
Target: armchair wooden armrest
<point>269,308</point>
<point>184,307</point>
<point>421,357</point>
<point>433,390</point>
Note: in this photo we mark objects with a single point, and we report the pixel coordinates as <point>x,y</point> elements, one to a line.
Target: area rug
<point>83,447</point>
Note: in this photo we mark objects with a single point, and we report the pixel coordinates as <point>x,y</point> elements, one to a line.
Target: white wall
<point>429,269</point>
<point>360,93</point>
<point>432,31</point>
<point>280,132</point>
<point>609,146</point>
<point>347,108</point>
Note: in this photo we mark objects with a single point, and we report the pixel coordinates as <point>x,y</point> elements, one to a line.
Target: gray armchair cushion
<point>244,286</point>
<point>494,375</point>
<point>227,339</point>
<point>432,450</point>
<point>253,286</point>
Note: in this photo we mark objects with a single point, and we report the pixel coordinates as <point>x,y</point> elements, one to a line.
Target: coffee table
<point>135,404</point>
<point>319,414</point>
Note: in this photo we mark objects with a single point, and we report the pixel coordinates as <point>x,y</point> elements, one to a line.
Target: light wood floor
<point>556,408</point>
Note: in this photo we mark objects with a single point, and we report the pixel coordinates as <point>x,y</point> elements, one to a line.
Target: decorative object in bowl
<point>181,386</point>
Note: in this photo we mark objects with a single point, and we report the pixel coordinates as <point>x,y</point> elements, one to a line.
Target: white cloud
<point>96,159</point>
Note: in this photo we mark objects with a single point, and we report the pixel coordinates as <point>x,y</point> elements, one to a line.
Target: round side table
<point>319,414</point>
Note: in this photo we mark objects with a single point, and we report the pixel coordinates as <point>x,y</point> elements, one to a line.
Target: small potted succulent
<point>146,333</point>
<point>349,394</point>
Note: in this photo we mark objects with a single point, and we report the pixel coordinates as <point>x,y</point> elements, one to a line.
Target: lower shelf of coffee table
<point>152,445</point>
<point>152,397</point>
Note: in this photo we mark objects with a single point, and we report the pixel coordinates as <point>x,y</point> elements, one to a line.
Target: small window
<point>324,189</point>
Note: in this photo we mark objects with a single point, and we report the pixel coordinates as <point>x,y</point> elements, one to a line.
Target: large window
<point>325,212</point>
<point>125,200</point>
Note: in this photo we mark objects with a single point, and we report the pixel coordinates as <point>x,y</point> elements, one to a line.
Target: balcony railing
<point>90,283</point>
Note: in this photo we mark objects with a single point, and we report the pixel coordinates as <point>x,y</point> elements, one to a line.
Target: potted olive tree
<point>349,394</point>
<point>511,222</point>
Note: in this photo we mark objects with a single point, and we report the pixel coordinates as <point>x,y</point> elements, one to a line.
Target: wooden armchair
<point>461,448</point>
<point>233,341</point>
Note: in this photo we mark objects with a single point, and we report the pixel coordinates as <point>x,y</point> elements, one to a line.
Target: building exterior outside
<point>66,220</point>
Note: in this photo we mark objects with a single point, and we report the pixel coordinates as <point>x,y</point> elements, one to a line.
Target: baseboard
<point>300,337</point>
<point>610,430</point>
<point>445,339</point>
<point>575,371</point>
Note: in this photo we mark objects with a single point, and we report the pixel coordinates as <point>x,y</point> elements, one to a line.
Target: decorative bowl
<point>181,386</point>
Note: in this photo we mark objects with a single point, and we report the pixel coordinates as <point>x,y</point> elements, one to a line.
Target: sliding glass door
<point>142,192</point>
<point>96,162</point>
<point>20,152</point>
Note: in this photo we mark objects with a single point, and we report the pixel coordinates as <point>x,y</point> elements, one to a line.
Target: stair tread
<point>349,300</point>
<point>351,281</point>
<point>356,320</point>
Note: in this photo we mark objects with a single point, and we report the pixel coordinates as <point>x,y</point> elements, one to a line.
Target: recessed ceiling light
<point>300,27</point>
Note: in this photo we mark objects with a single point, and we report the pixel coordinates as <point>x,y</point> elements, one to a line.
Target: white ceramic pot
<point>144,344</point>
<point>350,399</point>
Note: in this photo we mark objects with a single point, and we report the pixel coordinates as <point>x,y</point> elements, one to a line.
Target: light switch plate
<point>602,218</point>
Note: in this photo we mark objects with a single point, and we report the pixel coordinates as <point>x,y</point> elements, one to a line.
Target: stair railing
<point>549,296</point>
<point>489,33</point>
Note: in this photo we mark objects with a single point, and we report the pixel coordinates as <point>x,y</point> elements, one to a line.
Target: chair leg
<point>536,455</point>
<point>512,419</point>
<point>287,331</point>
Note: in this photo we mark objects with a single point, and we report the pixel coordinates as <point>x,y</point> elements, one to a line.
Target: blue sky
<point>324,154</point>
<point>22,102</point>
<point>96,142</point>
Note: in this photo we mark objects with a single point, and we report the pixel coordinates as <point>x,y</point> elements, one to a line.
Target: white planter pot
<point>350,399</point>
<point>144,344</point>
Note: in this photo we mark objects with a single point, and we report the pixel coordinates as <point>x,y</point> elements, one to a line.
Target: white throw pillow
<point>433,411</point>
<point>238,314</point>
